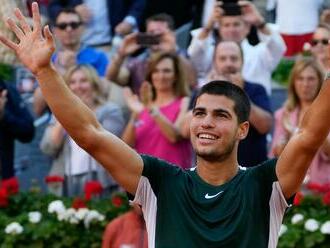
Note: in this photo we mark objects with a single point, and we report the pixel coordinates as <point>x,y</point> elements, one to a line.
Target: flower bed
<point>307,223</point>
<point>30,219</point>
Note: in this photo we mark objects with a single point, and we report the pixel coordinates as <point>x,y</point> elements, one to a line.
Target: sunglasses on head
<point>64,25</point>
<point>314,42</point>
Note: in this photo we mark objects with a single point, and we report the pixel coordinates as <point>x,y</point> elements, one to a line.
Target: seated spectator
<point>69,159</point>
<point>133,71</point>
<point>155,120</point>
<point>227,65</point>
<point>305,84</point>
<point>16,122</point>
<point>126,231</point>
<point>320,46</point>
<point>259,60</point>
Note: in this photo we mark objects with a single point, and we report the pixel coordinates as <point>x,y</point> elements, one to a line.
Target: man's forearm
<point>68,108</point>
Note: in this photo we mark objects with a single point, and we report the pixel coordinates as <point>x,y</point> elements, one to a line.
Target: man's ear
<point>243,130</point>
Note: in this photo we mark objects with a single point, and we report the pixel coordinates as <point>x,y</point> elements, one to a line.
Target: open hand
<point>132,101</point>
<point>250,13</point>
<point>34,50</point>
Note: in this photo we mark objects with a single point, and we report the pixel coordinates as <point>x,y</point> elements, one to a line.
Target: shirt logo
<point>207,196</point>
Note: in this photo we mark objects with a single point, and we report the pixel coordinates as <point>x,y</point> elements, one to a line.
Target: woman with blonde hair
<point>304,85</point>
<point>156,118</point>
<point>70,160</point>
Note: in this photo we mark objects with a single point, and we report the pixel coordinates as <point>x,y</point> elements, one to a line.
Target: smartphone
<point>231,7</point>
<point>146,39</point>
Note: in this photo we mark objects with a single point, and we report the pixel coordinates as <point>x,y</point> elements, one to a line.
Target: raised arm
<point>35,51</point>
<point>297,155</point>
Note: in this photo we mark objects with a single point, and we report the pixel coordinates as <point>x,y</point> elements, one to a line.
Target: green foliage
<point>297,236</point>
<point>282,72</point>
<point>6,72</point>
<point>50,232</point>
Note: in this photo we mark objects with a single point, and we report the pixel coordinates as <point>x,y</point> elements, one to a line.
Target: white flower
<point>297,218</point>
<point>311,225</point>
<point>56,207</point>
<point>66,214</point>
<point>81,213</point>
<point>35,217</point>
<point>307,46</point>
<point>325,228</point>
<point>14,228</point>
<point>283,230</point>
<point>92,215</point>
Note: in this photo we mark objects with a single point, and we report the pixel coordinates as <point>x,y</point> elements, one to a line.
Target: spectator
<point>320,46</point>
<point>296,29</point>
<point>259,60</point>
<point>227,65</point>
<point>103,18</point>
<point>134,70</point>
<point>68,28</point>
<point>127,230</point>
<point>69,159</point>
<point>15,123</point>
<point>305,84</point>
<point>156,119</point>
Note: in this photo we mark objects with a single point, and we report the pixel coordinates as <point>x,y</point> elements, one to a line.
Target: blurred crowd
<point>138,64</point>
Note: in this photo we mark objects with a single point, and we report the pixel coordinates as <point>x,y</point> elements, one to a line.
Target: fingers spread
<point>22,21</point>
<point>13,27</point>
<point>8,43</point>
<point>36,17</point>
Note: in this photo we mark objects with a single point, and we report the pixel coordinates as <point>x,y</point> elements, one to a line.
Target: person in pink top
<point>154,126</point>
<point>305,84</point>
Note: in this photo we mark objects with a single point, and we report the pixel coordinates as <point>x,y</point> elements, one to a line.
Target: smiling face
<point>163,76</point>
<point>214,128</point>
<point>307,85</point>
<point>82,87</point>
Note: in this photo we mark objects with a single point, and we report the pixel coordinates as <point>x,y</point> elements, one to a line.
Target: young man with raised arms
<point>216,204</point>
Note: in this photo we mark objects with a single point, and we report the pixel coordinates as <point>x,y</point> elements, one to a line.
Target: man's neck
<point>217,173</point>
<point>71,47</point>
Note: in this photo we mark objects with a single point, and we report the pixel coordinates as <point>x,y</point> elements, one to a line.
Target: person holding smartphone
<point>232,22</point>
<point>159,37</point>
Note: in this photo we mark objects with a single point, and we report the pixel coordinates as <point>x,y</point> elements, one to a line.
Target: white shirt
<point>259,60</point>
<point>295,17</point>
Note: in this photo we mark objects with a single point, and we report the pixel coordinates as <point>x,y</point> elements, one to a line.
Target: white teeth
<point>207,136</point>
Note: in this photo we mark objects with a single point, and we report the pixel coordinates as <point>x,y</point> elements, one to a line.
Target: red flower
<point>92,188</point>
<point>11,185</point>
<point>298,199</point>
<point>54,179</point>
<point>79,203</point>
<point>326,199</point>
<point>3,197</point>
<point>117,201</point>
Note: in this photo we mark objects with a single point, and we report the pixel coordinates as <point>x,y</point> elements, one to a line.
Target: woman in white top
<point>70,160</point>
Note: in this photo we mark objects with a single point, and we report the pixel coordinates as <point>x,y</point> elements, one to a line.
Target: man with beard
<point>216,204</point>
<point>227,65</point>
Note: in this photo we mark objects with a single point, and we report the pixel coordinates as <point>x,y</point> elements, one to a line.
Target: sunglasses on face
<point>314,42</point>
<point>64,25</point>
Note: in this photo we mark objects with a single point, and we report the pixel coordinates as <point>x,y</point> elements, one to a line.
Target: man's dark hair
<point>67,11</point>
<point>224,88</point>
<point>162,17</point>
